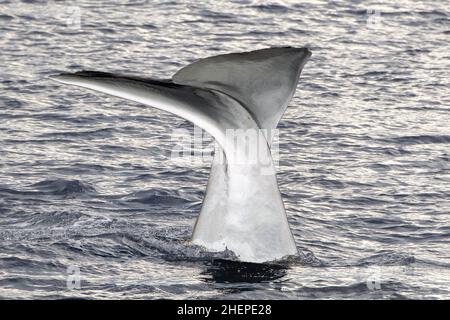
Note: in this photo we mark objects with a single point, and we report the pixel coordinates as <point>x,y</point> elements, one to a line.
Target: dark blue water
<point>89,190</point>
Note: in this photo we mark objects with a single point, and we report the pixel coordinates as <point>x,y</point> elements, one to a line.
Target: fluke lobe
<point>238,98</point>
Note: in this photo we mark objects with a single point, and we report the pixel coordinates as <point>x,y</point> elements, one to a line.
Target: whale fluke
<point>239,92</point>
<point>264,81</point>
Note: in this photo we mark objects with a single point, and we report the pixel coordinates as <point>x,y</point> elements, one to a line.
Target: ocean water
<point>92,205</point>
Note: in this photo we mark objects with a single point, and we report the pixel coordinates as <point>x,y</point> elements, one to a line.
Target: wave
<point>99,133</point>
<point>419,139</point>
<point>388,258</point>
<point>63,187</point>
<point>156,197</point>
<point>271,8</point>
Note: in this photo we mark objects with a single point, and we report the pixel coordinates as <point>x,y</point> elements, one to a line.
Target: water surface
<point>87,182</point>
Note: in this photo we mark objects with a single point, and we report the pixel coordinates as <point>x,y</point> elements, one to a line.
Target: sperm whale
<point>227,95</point>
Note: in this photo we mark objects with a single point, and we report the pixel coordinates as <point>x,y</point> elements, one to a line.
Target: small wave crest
<point>419,139</point>
<point>156,196</point>
<point>63,187</point>
<point>388,258</point>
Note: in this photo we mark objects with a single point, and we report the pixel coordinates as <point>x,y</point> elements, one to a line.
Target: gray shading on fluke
<point>242,210</point>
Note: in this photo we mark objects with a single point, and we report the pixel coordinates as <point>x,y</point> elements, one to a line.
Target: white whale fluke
<point>239,92</point>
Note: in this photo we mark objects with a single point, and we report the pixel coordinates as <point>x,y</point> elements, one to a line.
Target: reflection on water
<point>226,271</point>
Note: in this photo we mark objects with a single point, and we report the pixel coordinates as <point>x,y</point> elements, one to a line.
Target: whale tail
<point>263,81</point>
<point>239,92</point>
